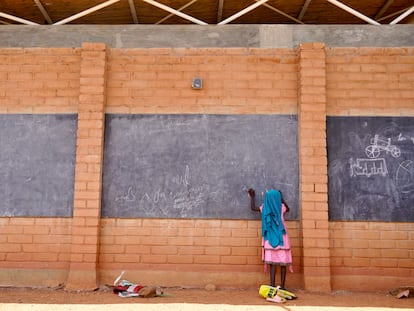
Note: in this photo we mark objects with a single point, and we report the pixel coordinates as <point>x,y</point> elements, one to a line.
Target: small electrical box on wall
<point>197,84</point>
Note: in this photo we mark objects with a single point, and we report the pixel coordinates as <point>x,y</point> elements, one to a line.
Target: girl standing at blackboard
<point>275,239</point>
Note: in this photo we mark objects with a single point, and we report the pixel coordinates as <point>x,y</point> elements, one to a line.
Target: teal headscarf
<point>272,224</point>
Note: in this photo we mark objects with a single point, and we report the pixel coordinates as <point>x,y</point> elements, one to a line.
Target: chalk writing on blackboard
<point>378,144</point>
<point>197,166</point>
<point>368,167</point>
<point>404,176</point>
<point>128,197</point>
<point>402,137</point>
<point>182,197</point>
<point>183,179</point>
<point>374,165</point>
<point>37,156</point>
<point>371,171</point>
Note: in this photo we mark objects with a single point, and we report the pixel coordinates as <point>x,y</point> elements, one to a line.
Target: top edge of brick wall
<point>225,36</point>
<point>204,51</point>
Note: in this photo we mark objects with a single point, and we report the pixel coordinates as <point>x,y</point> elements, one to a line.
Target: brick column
<point>88,174</point>
<point>313,167</point>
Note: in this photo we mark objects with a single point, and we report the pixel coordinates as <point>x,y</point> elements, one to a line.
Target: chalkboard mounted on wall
<point>371,168</point>
<point>37,156</point>
<point>197,166</point>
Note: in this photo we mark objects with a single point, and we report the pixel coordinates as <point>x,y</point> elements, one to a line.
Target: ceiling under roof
<point>202,12</point>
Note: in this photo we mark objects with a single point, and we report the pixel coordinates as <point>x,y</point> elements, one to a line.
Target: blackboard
<point>371,168</point>
<point>197,166</point>
<point>37,156</point>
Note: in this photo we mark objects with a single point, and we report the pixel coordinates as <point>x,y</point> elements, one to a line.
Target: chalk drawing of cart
<point>377,145</point>
<point>368,167</point>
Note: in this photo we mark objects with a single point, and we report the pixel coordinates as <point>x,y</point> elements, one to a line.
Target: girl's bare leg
<point>272,275</point>
<point>282,276</point>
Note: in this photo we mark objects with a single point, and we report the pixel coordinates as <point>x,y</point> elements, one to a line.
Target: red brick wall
<point>193,251</point>
<point>312,81</point>
<point>37,81</point>
<point>313,166</point>
<point>159,81</point>
<point>88,172</point>
<point>374,255</point>
<point>234,81</point>
<point>370,81</point>
<point>375,82</point>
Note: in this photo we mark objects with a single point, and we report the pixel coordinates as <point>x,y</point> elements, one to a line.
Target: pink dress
<point>280,255</point>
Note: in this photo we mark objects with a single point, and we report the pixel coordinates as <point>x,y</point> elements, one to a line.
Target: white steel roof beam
<point>392,14</point>
<point>173,11</point>
<point>304,9</point>
<point>402,16</point>
<point>282,13</point>
<point>133,11</point>
<point>383,9</point>
<point>43,11</point>
<point>180,9</point>
<point>17,19</point>
<point>86,12</point>
<point>242,12</point>
<point>353,12</point>
<point>220,11</point>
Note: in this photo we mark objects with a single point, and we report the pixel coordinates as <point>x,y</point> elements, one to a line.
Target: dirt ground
<point>196,299</point>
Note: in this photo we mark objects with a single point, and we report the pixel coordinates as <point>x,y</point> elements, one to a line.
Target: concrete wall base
<point>32,277</point>
<point>199,279</point>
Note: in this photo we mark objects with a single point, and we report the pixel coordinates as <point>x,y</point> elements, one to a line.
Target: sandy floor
<point>17,299</point>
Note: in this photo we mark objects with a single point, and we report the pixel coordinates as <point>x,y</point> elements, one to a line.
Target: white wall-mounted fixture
<point>197,84</point>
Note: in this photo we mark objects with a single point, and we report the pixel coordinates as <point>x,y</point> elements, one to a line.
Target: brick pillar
<point>88,174</point>
<point>313,167</point>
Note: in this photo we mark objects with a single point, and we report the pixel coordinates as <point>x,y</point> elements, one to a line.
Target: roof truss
<point>402,14</point>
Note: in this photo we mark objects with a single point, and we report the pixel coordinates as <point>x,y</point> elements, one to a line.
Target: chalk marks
<point>374,165</point>
<point>183,179</point>
<point>368,167</point>
<point>371,168</point>
<point>404,177</point>
<point>37,156</point>
<point>128,197</point>
<point>181,197</point>
<point>196,166</point>
<point>402,137</point>
<point>378,145</point>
